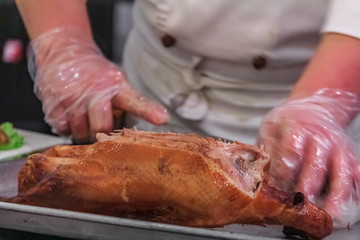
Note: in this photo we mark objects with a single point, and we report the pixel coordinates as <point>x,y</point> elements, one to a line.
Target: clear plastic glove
<point>311,152</point>
<point>79,87</point>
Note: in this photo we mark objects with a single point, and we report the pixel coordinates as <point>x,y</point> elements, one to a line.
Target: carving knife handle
<point>118,118</point>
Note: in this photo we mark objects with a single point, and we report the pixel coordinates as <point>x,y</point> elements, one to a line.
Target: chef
<point>283,74</point>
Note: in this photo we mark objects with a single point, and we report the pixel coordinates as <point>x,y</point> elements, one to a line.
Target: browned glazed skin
<point>176,185</point>
<point>293,210</point>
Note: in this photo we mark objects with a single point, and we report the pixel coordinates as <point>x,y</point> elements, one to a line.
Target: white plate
<point>33,142</point>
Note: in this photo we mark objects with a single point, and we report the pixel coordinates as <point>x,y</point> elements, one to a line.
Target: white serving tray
<point>33,142</point>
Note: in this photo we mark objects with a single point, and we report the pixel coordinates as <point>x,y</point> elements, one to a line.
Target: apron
<point>216,74</point>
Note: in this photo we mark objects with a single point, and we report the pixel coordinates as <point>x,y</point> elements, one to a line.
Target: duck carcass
<point>167,177</point>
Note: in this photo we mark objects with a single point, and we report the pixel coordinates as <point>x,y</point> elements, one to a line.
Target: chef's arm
<point>77,85</point>
<point>307,138</point>
<point>41,16</point>
<point>335,65</point>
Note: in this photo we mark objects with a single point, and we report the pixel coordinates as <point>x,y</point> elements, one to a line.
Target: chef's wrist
<point>62,41</point>
<point>335,65</point>
<point>336,105</point>
<point>41,16</point>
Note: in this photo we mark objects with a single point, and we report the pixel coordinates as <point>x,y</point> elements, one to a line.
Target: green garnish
<point>15,139</point>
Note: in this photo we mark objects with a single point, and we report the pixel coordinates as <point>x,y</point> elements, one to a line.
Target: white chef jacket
<point>221,65</point>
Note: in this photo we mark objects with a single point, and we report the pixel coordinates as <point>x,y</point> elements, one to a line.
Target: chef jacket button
<point>168,41</point>
<point>259,62</point>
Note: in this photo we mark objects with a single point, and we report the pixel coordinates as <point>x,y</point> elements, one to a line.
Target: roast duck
<point>171,178</point>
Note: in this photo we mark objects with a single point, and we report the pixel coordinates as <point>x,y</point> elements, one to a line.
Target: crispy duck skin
<point>167,177</point>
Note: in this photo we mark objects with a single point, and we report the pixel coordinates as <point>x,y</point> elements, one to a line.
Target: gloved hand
<point>79,87</point>
<point>312,153</point>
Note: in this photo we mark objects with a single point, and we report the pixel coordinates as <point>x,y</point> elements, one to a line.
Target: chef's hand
<point>311,152</point>
<point>79,87</point>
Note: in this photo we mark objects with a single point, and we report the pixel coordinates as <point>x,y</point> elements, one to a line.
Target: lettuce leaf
<point>16,140</point>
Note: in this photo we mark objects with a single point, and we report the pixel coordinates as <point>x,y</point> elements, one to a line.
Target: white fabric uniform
<point>229,61</point>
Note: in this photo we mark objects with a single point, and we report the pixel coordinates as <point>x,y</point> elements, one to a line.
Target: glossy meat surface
<point>166,177</point>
